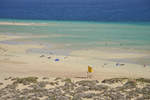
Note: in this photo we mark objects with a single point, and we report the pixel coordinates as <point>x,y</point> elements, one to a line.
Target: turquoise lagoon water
<point>76,34</point>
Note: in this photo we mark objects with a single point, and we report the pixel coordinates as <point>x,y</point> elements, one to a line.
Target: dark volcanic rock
<point>57,92</point>
<point>99,87</point>
<point>45,78</point>
<point>143,80</point>
<point>140,98</point>
<point>102,98</point>
<point>132,94</point>
<point>62,98</point>
<point>42,83</point>
<point>81,89</point>
<point>114,80</point>
<point>1,83</point>
<point>50,98</point>
<point>8,78</point>
<point>77,96</point>
<point>129,85</point>
<point>83,95</point>
<point>11,86</point>
<point>146,90</point>
<point>88,95</point>
<point>87,82</point>
<point>73,91</point>
<point>25,81</point>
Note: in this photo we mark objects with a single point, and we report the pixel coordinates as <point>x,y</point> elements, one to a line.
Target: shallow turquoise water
<point>84,34</point>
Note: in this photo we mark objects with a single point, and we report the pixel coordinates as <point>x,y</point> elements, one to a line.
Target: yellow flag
<point>90,70</point>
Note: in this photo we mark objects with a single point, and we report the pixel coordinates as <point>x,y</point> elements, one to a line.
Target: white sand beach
<point>15,61</point>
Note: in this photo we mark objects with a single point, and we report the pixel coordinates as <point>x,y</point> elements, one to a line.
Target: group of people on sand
<point>49,57</point>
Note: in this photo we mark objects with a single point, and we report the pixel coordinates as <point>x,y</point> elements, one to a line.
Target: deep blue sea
<point>76,23</point>
<point>81,10</point>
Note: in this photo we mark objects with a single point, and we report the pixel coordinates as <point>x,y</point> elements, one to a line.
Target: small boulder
<point>129,85</point>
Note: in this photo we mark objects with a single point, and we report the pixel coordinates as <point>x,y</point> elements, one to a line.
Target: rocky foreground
<point>33,88</point>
